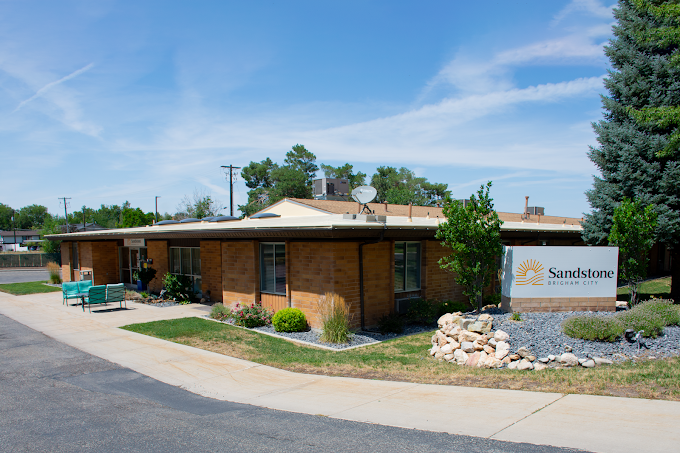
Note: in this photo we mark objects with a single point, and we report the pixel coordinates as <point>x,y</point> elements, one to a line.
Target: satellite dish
<point>364,194</point>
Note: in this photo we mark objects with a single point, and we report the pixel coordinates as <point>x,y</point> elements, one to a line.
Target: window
<point>406,266</point>
<point>273,268</point>
<point>187,261</point>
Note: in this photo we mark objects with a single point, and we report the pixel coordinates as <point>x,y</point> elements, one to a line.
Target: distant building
<point>22,238</point>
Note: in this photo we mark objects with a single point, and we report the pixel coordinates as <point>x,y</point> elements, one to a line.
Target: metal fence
<point>28,259</point>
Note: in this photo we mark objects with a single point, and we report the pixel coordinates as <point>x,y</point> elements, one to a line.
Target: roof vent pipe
<point>410,210</point>
<point>385,206</point>
<point>526,205</point>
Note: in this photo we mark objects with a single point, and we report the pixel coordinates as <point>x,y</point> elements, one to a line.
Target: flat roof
<point>330,226</point>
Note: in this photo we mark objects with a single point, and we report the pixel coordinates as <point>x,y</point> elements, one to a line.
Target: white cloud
<point>591,7</point>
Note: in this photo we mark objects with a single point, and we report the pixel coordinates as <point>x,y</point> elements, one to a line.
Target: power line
<point>231,186</point>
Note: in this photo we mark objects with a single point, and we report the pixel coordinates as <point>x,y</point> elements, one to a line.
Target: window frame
<point>262,275</point>
<point>194,276</point>
<point>405,288</point>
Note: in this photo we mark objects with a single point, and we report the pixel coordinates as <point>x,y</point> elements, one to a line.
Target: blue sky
<point>110,101</point>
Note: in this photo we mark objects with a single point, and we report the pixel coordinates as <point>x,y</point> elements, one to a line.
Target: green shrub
<point>603,328</point>
<point>421,311</point>
<point>450,306</point>
<point>144,294</point>
<point>335,318</point>
<point>145,275</point>
<point>391,323</point>
<point>516,316</point>
<point>651,316</point>
<point>289,320</point>
<point>253,315</point>
<point>179,286</point>
<point>220,312</point>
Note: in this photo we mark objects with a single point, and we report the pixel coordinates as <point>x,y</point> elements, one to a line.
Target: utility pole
<point>157,197</point>
<point>65,212</point>
<point>231,187</point>
<point>14,226</point>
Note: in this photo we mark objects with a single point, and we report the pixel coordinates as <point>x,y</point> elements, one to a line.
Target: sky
<point>110,101</point>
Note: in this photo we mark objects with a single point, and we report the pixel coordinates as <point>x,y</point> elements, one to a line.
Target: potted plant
<point>143,276</point>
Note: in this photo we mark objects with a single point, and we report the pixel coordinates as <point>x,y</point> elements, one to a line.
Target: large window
<point>406,266</point>
<point>187,261</point>
<point>273,268</point>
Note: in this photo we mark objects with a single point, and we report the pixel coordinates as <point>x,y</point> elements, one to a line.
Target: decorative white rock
<point>601,361</point>
<point>524,364</point>
<point>467,346</point>
<point>568,359</point>
<point>501,335</point>
<point>460,357</point>
<point>588,364</point>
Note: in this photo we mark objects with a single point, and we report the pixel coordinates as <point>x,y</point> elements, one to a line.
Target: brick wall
<point>158,252</point>
<point>439,284</point>
<point>105,262</point>
<point>66,261</point>
<point>240,272</point>
<point>211,269</point>
<point>378,284</point>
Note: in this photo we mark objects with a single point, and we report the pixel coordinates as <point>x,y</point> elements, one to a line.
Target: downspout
<point>361,273</point>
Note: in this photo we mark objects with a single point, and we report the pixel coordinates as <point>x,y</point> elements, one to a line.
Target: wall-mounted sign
<point>134,242</point>
<point>560,271</point>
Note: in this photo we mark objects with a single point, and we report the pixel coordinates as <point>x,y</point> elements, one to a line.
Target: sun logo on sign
<point>530,272</point>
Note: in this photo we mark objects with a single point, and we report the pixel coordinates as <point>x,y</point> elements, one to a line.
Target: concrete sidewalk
<point>593,423</point>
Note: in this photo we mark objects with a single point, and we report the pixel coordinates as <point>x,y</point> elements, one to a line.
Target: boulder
<point>460,357</point>
<point>465,322</point>
<point>568,359</point>
<point>514,356</point>
<point>540,366</point>
<point>485,317</point>
<point>492,342</point>
<point>483,339</point>
<point>488,349</point>
<point>447,349</point>
<point>467,346</point>
<point>531,358</point>
<point>483,356</point>
<point>479,327</point>
<point>588,364</point>
<point>448,357</point>
<point>524,364</point>
<point>493,362</point>
<point>513,365</point>
<point>506,360</point>
<point>439,355</point>
<point>544,360</point>
<point>477,345</point>
<point>601,361</point>
<point>441,338</point>
<point>501,353</point>
<point>444,320</point>
<point>551,358</point>
<point>473,359</point>
<point>523,352</point>
<point>454,345</point>
<point>434,350</point>
<point>467,336</point>
<point>500,335</point>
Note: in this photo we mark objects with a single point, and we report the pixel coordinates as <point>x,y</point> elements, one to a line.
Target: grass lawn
<point>406,359</point>
<point>20,289</point>
<point>660,287</point>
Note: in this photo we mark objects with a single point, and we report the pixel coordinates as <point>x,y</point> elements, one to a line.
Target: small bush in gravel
<point>421,311</point>
<point>253,315</point>
<point>335,318</point>
<point>289,320</point>
<point>220,312</point>
<point>53,269</point>
<point>651,316</point>
<point>593,327</point>
<point>391,323</point>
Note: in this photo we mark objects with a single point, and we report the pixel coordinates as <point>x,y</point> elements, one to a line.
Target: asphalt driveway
<point>23,275</point>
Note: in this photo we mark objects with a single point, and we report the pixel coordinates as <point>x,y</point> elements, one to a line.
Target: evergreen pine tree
<point>630,155</point>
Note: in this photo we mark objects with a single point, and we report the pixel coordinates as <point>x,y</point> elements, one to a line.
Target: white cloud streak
<point>51,85</point>
<point>590,7</point>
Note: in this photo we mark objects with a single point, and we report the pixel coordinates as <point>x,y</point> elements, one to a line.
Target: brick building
<point>293,252</point>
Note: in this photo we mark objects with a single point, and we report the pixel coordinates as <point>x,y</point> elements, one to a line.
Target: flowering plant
<point>252,315</point>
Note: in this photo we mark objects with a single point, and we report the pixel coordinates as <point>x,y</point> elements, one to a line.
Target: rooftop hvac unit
<point>535,210</point>
<point>331,188</point>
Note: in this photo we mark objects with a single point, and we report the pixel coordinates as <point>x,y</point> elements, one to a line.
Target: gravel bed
<point>542,334</point>
<point>357,339</point>
<point>167,303</point>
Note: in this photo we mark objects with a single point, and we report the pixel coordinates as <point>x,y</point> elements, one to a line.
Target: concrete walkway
<point>596,423</point>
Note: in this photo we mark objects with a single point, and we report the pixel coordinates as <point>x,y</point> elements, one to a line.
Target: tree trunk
<point>675,275</point>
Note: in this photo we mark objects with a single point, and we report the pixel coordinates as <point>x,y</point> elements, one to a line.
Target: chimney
<point>526,205</point>
<point>410,210</point>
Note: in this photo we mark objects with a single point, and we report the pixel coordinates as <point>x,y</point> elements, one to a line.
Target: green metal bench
<point>103,294</point>
<point>70,290</point>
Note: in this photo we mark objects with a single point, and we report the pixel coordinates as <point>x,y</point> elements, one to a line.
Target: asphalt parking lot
<point>14,275</point>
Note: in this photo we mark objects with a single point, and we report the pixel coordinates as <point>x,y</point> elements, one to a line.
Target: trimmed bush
<point>602,328</point>
<point>391,323</point>
<point>289,320</point>
<point>220,312</point>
